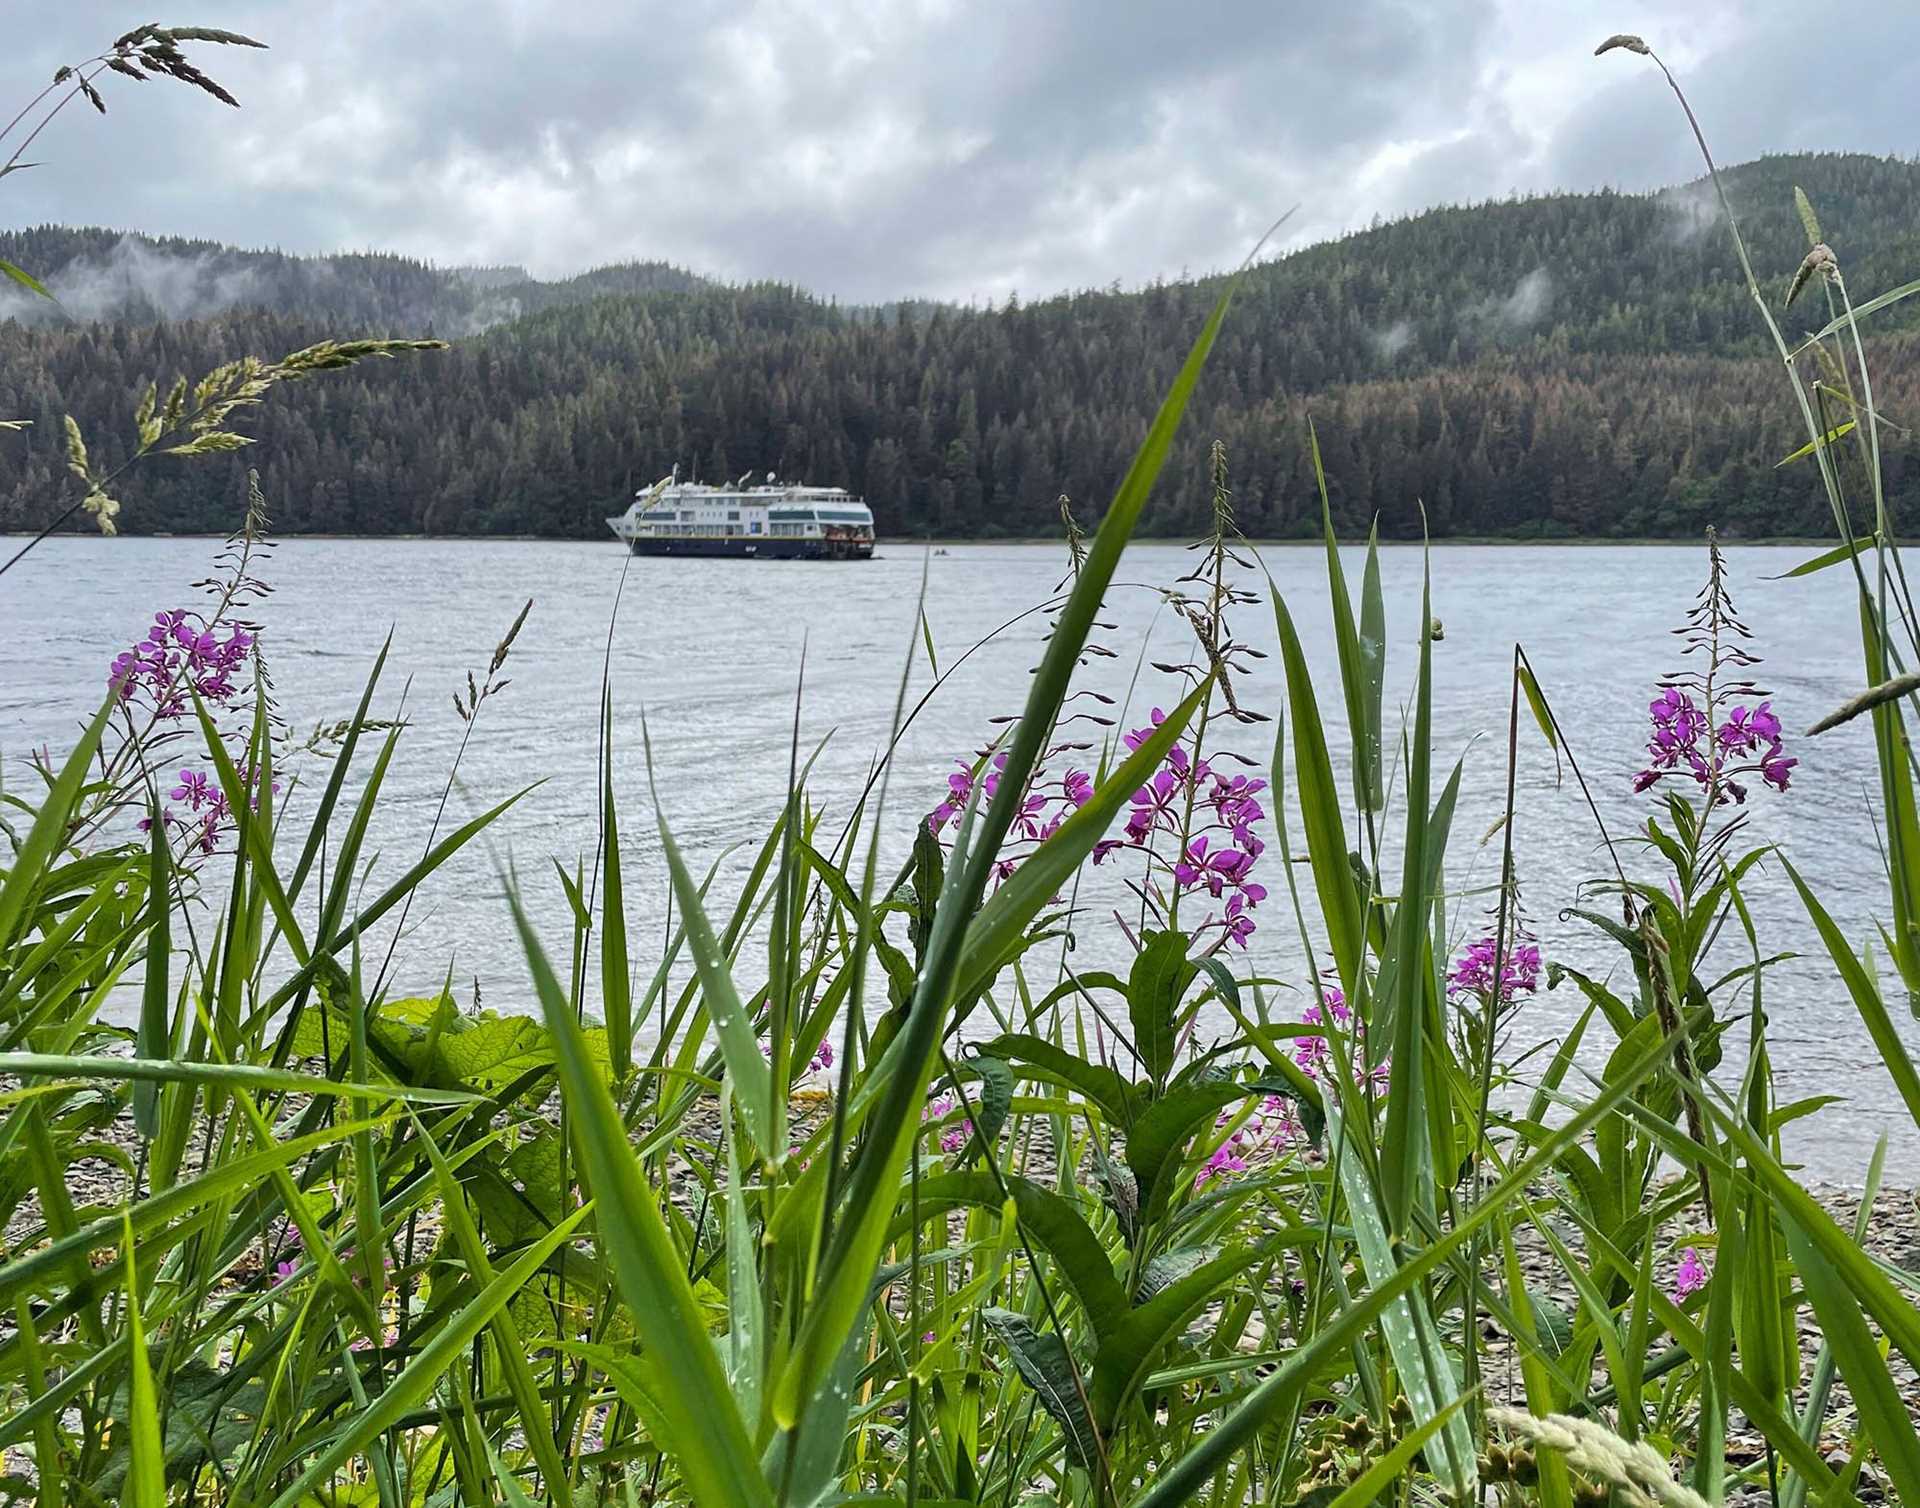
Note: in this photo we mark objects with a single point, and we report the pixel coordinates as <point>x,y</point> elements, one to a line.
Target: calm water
<point>708,652</point>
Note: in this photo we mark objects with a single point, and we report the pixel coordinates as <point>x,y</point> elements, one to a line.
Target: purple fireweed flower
<point>1690,1276</point>
<point>1312,1052</point>
<point>956,1137</point>
<point>1155,805</point>
<point>1077,787</point>
<point>1683,742</point>
<point>1473,972</point>
<point>1140,735</point>
<point>192,789</point>
<point>180,654</point>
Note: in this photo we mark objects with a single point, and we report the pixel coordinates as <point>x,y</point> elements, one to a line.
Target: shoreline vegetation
<point>319,1229</point>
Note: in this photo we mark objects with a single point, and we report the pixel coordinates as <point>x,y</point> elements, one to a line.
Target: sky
<point>879,149</point>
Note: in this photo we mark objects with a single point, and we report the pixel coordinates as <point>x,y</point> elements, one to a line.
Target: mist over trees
<point>1567,365</point>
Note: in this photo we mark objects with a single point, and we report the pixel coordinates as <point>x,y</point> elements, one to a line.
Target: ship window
<point>733,515</point>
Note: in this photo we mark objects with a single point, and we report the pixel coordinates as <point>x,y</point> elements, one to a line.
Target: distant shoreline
<point>1784,541</point>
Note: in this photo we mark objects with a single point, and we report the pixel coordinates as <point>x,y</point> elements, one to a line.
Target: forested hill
<point>118,276</point>
<point>1569,364</point>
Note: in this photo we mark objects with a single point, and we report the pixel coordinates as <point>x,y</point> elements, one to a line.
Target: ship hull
<point>758,549</point>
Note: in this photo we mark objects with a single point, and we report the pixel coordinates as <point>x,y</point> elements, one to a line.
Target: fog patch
<point>1520,309</point>
<point>1688,211</point>
<point>137,279</point>
<point>1390,342</point>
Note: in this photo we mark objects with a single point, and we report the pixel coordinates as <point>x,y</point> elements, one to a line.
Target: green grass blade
<point>1882,1410</point>
<point>706,1437</point>
<point>147,1477</point>
<point>1354,669</point>
<point>154,1040</point>
<point>749,1072</point>
<point>49,830</point>
<point>1340,911</point>
<point>1865,994</point>
<point>616,981</point>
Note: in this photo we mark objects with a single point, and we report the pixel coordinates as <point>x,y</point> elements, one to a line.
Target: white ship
<point>771,521</point>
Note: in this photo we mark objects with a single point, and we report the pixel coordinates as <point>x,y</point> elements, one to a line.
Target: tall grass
<point>1040,1242</point>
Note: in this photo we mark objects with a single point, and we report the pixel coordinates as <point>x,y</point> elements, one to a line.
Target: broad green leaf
<point>1046,1367</point>
<point>1050,1223</point>
<point>1125,1357</point>
<point>1101,1085</point>
<point>1159,978</point>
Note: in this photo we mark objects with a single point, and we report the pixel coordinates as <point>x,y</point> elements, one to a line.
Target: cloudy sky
<point>881,148</point>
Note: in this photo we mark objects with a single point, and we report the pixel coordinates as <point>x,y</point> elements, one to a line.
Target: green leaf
<point>616,984</point>
<point>1158,1140</point>
<point>1043,1362</point>
<point>1537,705</point>
<point>1101,1085</point>
<point>1865,992</point>
<point>1831,557</point>
<point>1811,446</point>
<point>993,1104</point>
<point>25,279</point>
<point>1125,1357</point>
<point>1355,671</point>
<point>1160,975</point>
<point>1049,1221</point>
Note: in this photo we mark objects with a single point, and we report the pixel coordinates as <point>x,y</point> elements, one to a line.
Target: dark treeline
<point>1572,364</point>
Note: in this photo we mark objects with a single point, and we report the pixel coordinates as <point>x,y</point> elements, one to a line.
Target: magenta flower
<point>192,789</point>
<point>1690,1276</point>
<point>1683,743</point>
<point>1473,972</point>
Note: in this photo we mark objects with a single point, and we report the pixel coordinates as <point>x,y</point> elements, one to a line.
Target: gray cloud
<point>882,148</point>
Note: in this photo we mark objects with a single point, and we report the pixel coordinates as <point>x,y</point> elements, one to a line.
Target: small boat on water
<point>771,520</point>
